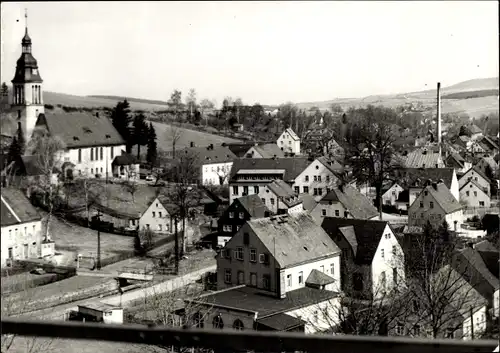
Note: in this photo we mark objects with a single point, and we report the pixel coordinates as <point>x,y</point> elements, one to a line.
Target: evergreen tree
<point>121,121</point>
<point>140,132</point>
<point>20,140</point>
<point>14,150</point>
<point>151,153</point>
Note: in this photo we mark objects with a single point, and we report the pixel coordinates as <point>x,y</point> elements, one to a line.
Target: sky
<point>266,52</point>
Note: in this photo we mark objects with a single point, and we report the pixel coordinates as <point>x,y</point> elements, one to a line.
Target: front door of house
<point>11,253</point>
<point>25,251</point>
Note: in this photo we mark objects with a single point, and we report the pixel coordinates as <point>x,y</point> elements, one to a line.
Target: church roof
<point>79,130</point>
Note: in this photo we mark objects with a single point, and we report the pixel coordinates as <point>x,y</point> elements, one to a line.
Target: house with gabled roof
<point>488,144</point>
<point>457,162</point>
<point>473,131</point>
<point>415,178</point>
<point>248,175</point>
<point>268,150</point>
<point>372,262</point>
<point>346,202</point>
<point>91,143</point>
<point>319,177</point>
<point>289,142</point>
<point>280,198</point>
<point>390,193</point>
<point>473,195</point>
<point>478,176</point>
<point>424,158</point>
<point>277,273</point>
<point>21,228</point>
<point>487,164</point>
<point>239,211</point>
<point>435,203</point>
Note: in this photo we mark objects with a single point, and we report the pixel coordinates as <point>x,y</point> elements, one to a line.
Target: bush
<point>49,106</point>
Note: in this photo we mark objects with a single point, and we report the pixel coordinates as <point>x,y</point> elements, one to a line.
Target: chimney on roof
<point>435,186</point>
<point>440,181</point>
<point>97,114</point>
<point>211,146</point>
<point>424,152</point>
<point>191,144</point>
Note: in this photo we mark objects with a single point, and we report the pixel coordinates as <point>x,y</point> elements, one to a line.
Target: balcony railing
<point>239,341</point>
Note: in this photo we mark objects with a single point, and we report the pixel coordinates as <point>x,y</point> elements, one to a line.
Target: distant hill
<point>473,97</point>
<point>136,100</point>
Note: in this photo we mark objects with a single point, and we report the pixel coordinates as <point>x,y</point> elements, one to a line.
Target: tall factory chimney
<point>438,115</point>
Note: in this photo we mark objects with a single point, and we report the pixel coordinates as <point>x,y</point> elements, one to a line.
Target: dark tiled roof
<point>473,182</point>
<point>443,197</point>
<point>20,206</point>
<point>331,164</point>
<point>474,129</point>
<point>422,158</point>
<point>269,150</point>
<point>292,134</point>
<point>455,158</point>
<point>485,245</point>
<point>491,162</point>
<point>125,159</point>
<point>253,205</point>
<point>280,322</point>
<point>265,303</point>
<point>210,155</point>
<point>296,238</point>
<point>308,201</point>
<point>367,235</point>
<point>120,203</point>
<point>319,278</point>
<point>292,166</point>
<point>424,174</point>
<point>479,172</point>
<point>239,149</point>
<point>284,192</point>
<point>489,142</point>
<point>356,203</point>
<point>81,130</point>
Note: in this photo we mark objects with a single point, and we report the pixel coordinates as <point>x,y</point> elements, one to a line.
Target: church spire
<point>26,42</point>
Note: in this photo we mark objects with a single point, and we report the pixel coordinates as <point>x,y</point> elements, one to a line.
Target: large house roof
<point>479,172</point>
<point>253,205</point>
<point>16,209</point>
<point>331,164</point>
<point>423,158</point>
<point>443,197</point>
<point>473,182</point>
<point>292,166</point>
<point>362,235</point>
<point>269,150</point>
<point>79,130</point>
<point>265,304</point>
<point>356,203</point>
<point>284,192</point>
<point>211,154</point>
<point>292,134</point>
<point>488,142</point>
<point>293,239</point>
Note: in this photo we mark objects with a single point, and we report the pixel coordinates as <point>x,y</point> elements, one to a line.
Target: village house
<point>372,262</point>
<point>279,273</point>
<point>490,254</point>
<point>146,210</point>
<point>214,163</point>
<point>473,195</point>
<point>473,131</point>
<point>488,144</point>
<point>237,214</point>
<point>457,162</point>
<point>390,194</point>
<point>91,145</point>
<point>415,178</point>
<point>346,202</point>
<point>318,178</point>
<point>424,158</point>
<point>249,175</point>
<point>478,176</point>
<point>280,198</point>
<point>487,164</point>
<point>268,150</point>
<point>289,142</point>
<point>21,226</point>
<point>435,204</point>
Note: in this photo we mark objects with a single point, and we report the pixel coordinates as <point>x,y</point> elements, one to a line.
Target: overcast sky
<point>266,52</point>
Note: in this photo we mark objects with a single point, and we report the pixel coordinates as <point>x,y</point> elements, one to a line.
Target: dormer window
<point>86,130</point>
<point>75,138</point>
<point>108,136</point>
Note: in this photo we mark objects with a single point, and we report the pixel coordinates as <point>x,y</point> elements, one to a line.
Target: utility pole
<point>98,240</point>
<point>176,247</point>
<point>471,324</point>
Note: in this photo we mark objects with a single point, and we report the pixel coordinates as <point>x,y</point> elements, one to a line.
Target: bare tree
<point>191,100</point>
<point>206,104</point>
<point>173,135</point>
<point>48,159</point>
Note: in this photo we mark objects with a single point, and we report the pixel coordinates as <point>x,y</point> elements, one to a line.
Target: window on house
<point>450,333</point>
<point>238,325</point>
<point>337,213</point>
<point>421,204</point>
<point>316,316</point>
<point>227,275</point>
<point>296,189</point>
<point>327,178</point>
<point>306,189</point>
<point>242,215</point>
<point>154,214</point>
<point>147,226</point>
<point>91,154</point>
<point>239,253</point>
<point>160,227</point>
<point>112,152</point>
<point>323,212</point>
<point>253,255</point>
<point>382,253</point>
<point>475,193</point>
<point>198,320</point>
<point>253,279</point>
<point>301,277</point>
<point>322,268</point>
<point>394,250</point>
<point>159,214</point>
<point>319,177</point>
<point>481,203</point>
<point>467,193</point>
<point>315,178</point>
<point>263,200</point>
<point>272,200</point>
<point>266,282</point>
<point>320,191</point>
<point>231,214</point>
<point>79,155</point>
<point>416,330</point>
<point>289,280</point>
<point>431,204</point>
<point>245,190</point>
<point>263,259</point>
<point>382,281</point>
<point>235,190</point>
<point>400,329</point>
<point>217,322</point>
<point>306,178</point>
<point>327,190</point>
<point>102,153</point>
<point>91,170</point>
<point>395,276</point>
<point>332,269</point>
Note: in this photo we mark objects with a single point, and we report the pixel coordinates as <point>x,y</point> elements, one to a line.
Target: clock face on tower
<point>35,72</point>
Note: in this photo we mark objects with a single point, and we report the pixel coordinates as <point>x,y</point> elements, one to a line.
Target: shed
<point>101,312</point>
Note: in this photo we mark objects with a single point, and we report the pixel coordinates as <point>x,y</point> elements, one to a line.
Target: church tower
<point>27,88</point>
